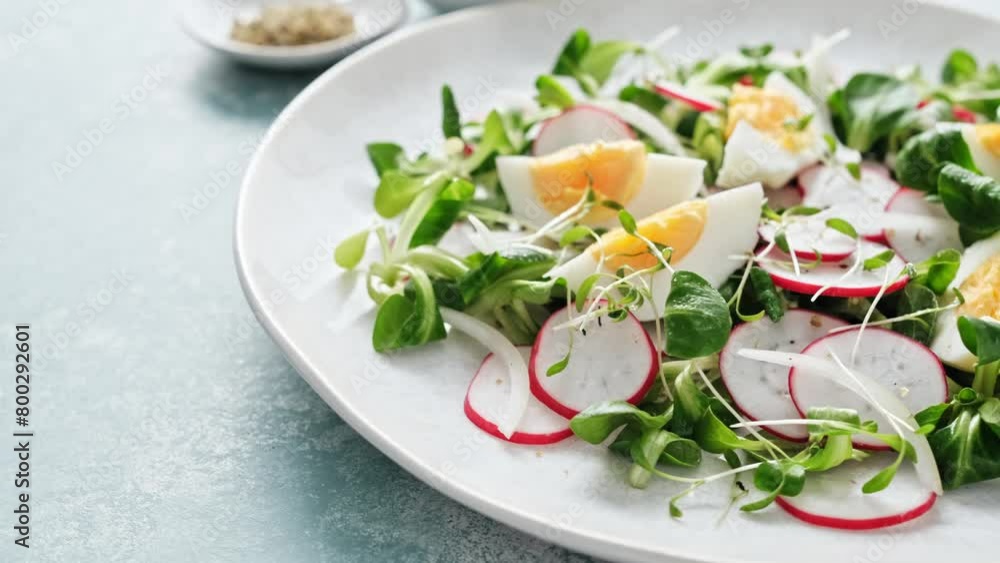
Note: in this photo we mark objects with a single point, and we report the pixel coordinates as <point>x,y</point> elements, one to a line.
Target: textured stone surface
<point>169,426</point>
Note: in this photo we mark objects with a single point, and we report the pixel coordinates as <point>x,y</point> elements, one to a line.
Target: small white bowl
<point>211,21</point>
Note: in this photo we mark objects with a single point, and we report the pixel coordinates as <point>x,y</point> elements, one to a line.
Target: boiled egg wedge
<point>704,235</point>
<point>978,279</point>
<point>772,133</point>
<point>984,145</point>
<point>539,188</point>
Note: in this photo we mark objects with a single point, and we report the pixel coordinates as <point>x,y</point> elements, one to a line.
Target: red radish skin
<point>613,128</point>
<point>677,92</point>
<point>963,115</point>
<point>735,340</point>
<point>835,499</point>
<point>536,372</point>
<point>786,279</point>
<point>491,428</point>
<point>960,113</point>
<point>901,342</point>
<point>857,524</point>
<point>809,289</point>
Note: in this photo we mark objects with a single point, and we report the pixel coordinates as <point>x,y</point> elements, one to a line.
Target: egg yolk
<point>678,227</point>
<point>982,290</point>
<point>614,170</point>
<point>772,113</point>
<point>989,136</point>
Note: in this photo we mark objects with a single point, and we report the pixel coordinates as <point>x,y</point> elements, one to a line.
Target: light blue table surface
<point>169,427</point>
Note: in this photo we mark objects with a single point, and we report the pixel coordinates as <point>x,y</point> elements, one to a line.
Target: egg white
<point>752,156</point>
<point>987,162</point>
<point>669,180</point>
<point>947,342</point>
<point>730,229</point>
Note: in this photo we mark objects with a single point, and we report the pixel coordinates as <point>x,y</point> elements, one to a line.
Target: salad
<point>750,257</point>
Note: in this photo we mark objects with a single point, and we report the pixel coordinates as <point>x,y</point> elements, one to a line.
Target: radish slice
<point>917,228</point>
<point>644,121</point>
<point>760,390</point>
<point>909,201</point>
<point>507,355</point>
<point>580,124</point>
<point>808,235</point>
<point>784,198</point>
<point>918,237</point>
<point>680,93</point>
<point>834,499</point>
<point>902,365</point>
<point>874,393</point>
<point>860,283</point>
<point>489,395</point>
<point>613,361</point>
<point>860,203</point>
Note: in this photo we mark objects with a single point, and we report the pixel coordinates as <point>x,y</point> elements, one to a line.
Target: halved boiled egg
<point>978,279</point>
<point>702,234</point>
<point>772,133</point>
<point>984,144</point>
<point>540,188</point>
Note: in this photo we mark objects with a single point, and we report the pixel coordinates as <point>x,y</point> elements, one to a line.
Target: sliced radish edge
<point>728,351</point>
<point>679,93</point>
<point>859,523</point>
<point>900,342</point>
<point>491,428</point>
<point>553,403</point>
<point>610,122</point>
<point>787,280</point>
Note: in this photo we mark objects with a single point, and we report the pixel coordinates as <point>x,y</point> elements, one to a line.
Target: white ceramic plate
<point>310,185</point>
<point>211,21</point>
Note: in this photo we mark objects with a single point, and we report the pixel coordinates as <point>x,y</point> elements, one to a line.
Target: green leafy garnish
<point>451,122</point>
<point>854,169</point>
<point>696,316</point>
<point>920,161</point>
<point>552,93</point>
<point>444,212</point>
<point>959,67</point>
<point>878,261</point>
<point>916,297</point>
<point>869,107</point>
<point>597,422</point>
<point>966,448</point>
<point>938,271</point>
<point>384,157</point>
<point>776,478</point>
<point>971,199</point>
<point>403,321</point>
<point>351,250</point>
<point>842,227</point>
<point>982,337</point>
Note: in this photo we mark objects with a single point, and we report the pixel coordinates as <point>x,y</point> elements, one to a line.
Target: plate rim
<point>595,544</point>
